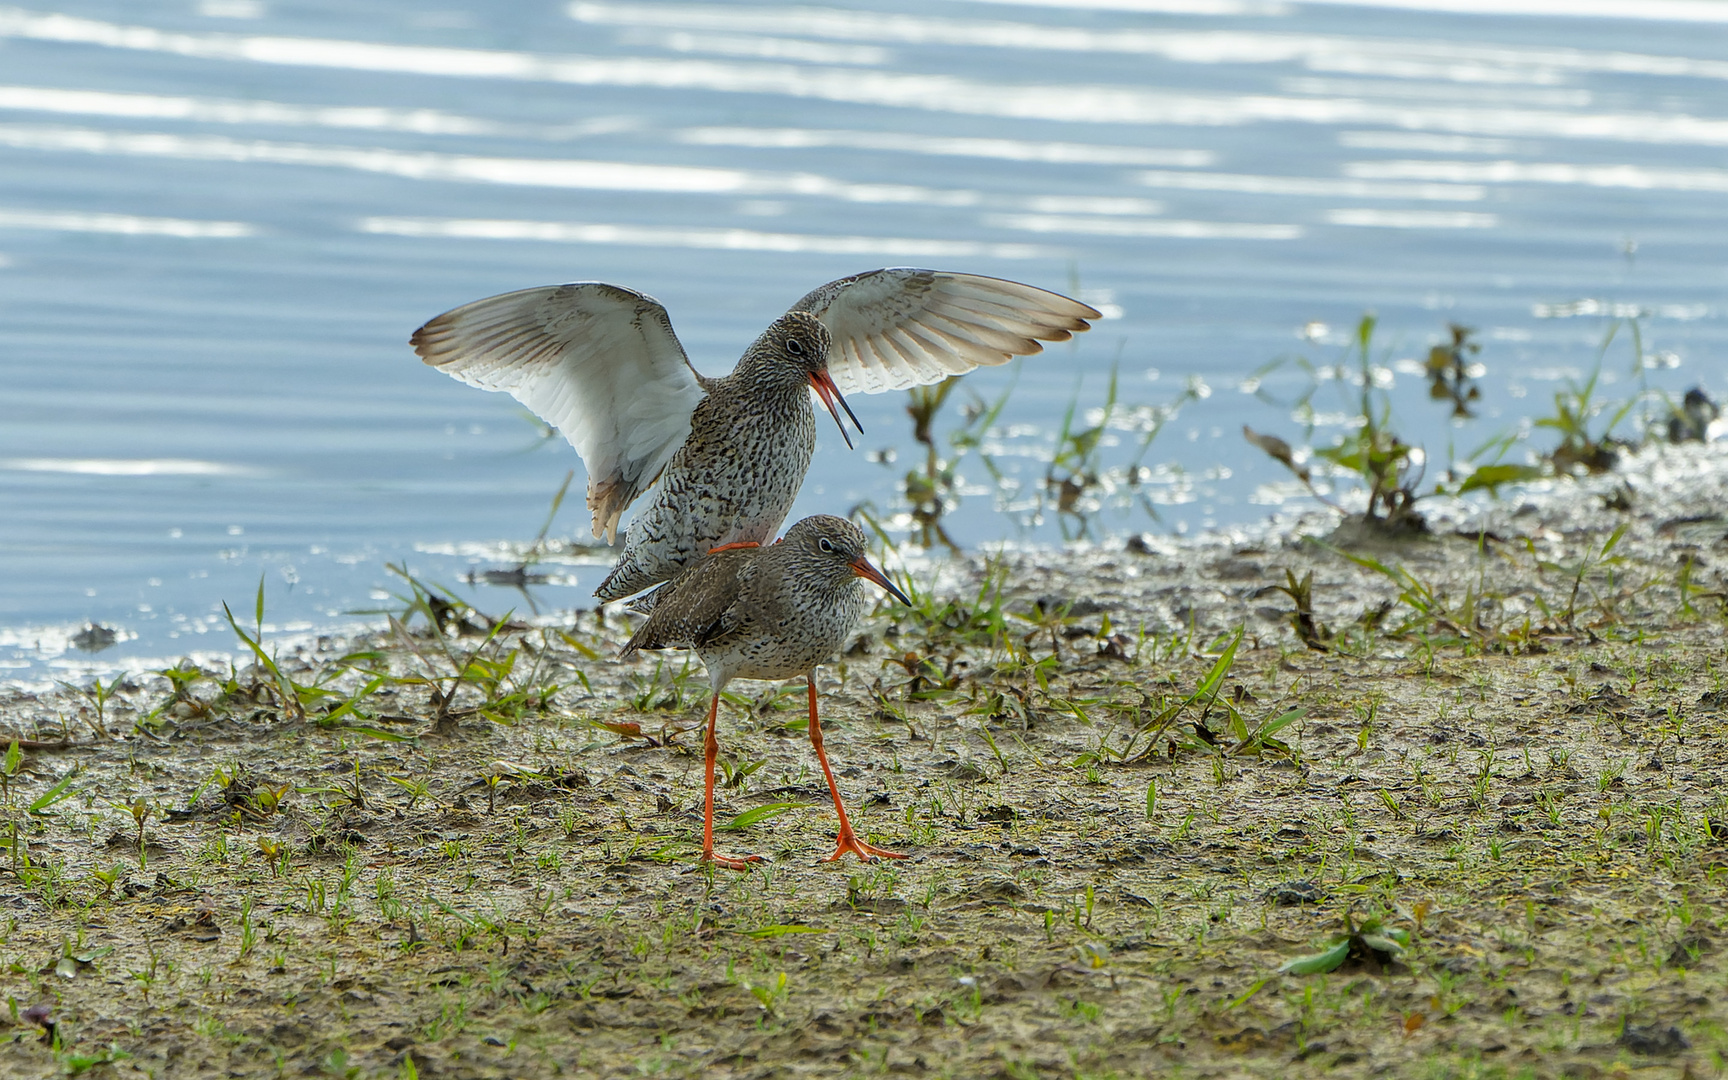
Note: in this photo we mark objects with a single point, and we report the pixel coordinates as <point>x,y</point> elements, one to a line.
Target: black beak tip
<point>830,393</point>
<point>849,413</point>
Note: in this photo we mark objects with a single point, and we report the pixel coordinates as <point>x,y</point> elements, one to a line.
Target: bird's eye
<point>825,544</point>
<point>795,347</point>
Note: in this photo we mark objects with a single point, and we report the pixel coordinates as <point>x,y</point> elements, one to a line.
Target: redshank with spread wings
<point>602,365</point>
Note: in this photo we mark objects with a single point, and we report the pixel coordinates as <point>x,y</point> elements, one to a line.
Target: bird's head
<point>835,543</point>
<point>798,342</point>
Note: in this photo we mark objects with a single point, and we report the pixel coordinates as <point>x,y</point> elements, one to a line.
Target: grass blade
<point>1215,677</point>
<point>377,733</point>
<point>1266,730</point>
<point>1318,963</point>
<point>759,814</point>
<point>57,793</point>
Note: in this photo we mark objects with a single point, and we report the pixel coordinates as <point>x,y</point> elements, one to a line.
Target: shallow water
<point>219,223</point>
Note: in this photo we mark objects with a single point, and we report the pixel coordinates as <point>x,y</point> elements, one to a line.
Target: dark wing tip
<point>426,341</point>
<point>643,638</point>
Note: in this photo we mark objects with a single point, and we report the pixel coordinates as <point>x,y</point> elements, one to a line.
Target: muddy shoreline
<point>470,854</point>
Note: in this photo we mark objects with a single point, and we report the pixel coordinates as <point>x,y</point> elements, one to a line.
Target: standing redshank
<point>768,613</point>
<point>602,365</point>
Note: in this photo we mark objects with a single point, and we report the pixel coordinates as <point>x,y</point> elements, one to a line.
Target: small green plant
<point>147,975</point>
<point>506,696</point>
<point>141,812</point>
<point>79,1063</point>
<point>1310,630</point>
<point>9,767</point>
<point>98,695</point>
<point>1580,449</point>
<point>289,695</point>
<point>1075,463</point>
<point>933,489</point>
<point>758,814</point>
<point>181,677</point>
<point>1078,479</point>
<point>569,822</point>
<point>771,995</point>
<point>1452,374</point>
<point>59,793</point>
<point>736,775</point>
<point>1373,943</point>
<point>106,877</point>
<point>248,929</point>
<point>1387,469</point>
<point>417,787</point>
<point>663,690</point>
<point>1145,737</point>
<point>336,1065</point>
<point>1593,559</point>
<point>1371,452</point>
<point>1576,407</point>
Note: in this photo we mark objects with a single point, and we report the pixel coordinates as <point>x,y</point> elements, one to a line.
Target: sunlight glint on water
<point>221,223</point>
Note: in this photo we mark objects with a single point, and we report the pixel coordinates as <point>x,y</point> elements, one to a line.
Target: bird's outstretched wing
<point>900,327</point>
<point>598,362</point>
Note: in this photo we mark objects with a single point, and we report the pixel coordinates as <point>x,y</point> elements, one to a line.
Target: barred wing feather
<point>598,362</point>
<point>903,327</point>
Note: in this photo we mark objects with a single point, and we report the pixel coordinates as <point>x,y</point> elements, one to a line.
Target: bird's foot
<point>728,862</point>
<point>735,544</point>
<point>848,841</point>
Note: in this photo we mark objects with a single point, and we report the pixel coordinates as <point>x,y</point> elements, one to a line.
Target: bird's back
<point>752,613</point>
<point>696,606</point>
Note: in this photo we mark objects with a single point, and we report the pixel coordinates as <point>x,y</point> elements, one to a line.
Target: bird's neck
<point>824,581</point>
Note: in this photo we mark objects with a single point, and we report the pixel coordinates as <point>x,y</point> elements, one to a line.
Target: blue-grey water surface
<point>219,222</point>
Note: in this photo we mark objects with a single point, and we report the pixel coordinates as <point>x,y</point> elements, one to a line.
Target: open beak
<point>863,568</point>
<point>823,384</point>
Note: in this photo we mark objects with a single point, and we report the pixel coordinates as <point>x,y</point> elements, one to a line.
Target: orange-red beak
<point>864,569</point>
<point>823,384</point>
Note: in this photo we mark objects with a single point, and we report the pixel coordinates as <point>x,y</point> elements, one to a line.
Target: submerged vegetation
<point>1079,478</point>
<point>1388,471</point>
<point>1093,474</point>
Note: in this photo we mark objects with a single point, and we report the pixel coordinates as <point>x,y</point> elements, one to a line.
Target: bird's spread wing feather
<point>598,362</point>
<point>897,328</point>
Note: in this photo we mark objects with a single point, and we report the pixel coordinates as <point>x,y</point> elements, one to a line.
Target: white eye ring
<point>825,544</point>
<point>795,347</point>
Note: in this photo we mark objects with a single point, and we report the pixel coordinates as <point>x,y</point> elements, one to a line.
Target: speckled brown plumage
<point>736,476</point>
<point>772,612</point>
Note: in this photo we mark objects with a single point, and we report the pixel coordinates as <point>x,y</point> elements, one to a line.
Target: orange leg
<point>848,840</point>
<point>735,544</point>
<point>711,752</point>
